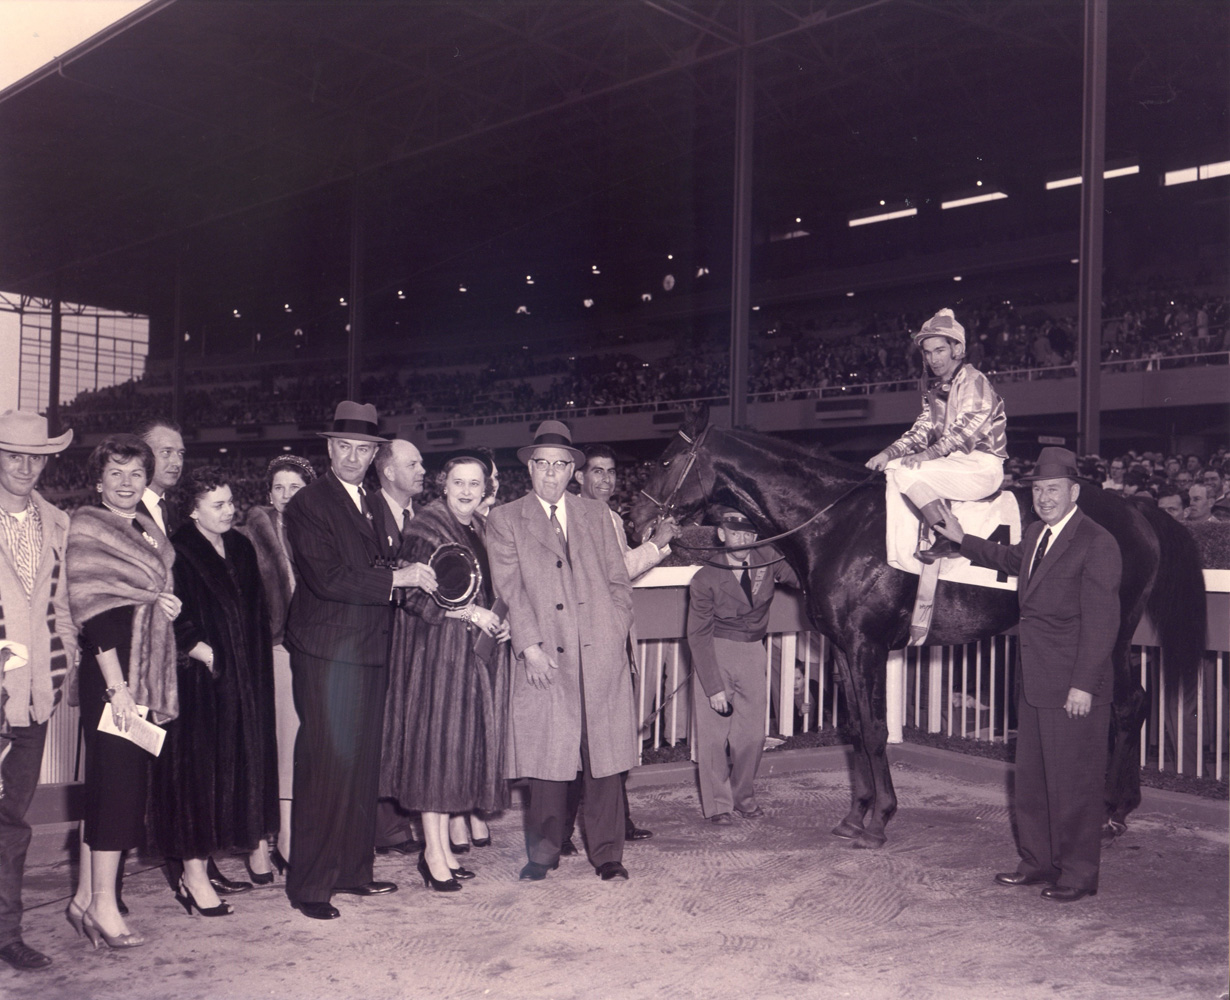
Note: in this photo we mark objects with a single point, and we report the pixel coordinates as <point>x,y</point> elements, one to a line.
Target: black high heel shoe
<point>278,862</point>
<point>258,878</point>
<point>458,848</point>
<point>481,841</point>
<point>183,896</point>
<point>429,880</point>
<point>461,873</point>
<point>224,886</point>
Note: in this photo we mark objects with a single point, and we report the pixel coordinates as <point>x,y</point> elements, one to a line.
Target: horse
<point>832,515</point>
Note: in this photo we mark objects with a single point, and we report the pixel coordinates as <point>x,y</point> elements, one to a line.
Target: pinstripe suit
<point>337,632</point>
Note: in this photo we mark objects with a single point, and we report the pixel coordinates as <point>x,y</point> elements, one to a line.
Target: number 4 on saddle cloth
<point>998,519</point>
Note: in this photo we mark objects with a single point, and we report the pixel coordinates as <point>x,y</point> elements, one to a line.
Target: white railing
<point>964,691</point>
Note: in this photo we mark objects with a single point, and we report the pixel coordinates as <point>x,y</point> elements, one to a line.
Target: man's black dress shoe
<point>410,846</point>
<point>371,889</point>
<point>754,813</point>
<point>1020,878</point>
<point>534,872</point>
<point>636,833</point>
<point>567,849</point>
<point>1066,893</point>
<point>612,869</point>
<point>317,911</point>
<point>21,956</point>
<point>224,886</point>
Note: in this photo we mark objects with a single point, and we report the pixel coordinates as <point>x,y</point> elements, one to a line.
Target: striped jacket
<point>968,417</point>
<point>41,622</point>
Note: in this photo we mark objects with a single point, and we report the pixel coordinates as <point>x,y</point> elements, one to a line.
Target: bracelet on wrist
<point>113,691</point>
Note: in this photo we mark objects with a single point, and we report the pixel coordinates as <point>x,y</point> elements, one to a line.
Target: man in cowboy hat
<point>728,617</point>
<point>556,563</point>
<point>957,446</point>
<point>1068,569</point>
<point>37,645</point>
<point>337,631</point>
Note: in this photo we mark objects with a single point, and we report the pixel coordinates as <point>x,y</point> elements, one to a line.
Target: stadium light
<point>1123,169</point>
<point>898,213</point>
<point>973,199</point>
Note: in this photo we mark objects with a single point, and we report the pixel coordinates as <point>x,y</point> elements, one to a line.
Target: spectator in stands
<point>1114,480</point>
<point>1172,501</point>
<point>1136,483</point>
<point>1199,504</point>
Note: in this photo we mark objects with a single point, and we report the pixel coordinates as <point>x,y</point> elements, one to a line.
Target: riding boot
<point>933,513</point>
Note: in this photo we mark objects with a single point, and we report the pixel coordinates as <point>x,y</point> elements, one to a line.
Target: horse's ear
<point>696,419</point>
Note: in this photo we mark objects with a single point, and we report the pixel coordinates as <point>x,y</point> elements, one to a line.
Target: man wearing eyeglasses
<point>556,562</point>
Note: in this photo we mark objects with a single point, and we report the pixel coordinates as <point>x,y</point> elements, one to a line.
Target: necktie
<point>559,530</point>
<point>745,581</point>
<point>405,520</point>
<point>1039,553</point>
<point>165,509</point>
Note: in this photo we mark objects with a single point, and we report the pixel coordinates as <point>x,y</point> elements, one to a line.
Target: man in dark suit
<point>337,631</point>
<point>167,444</point>
<point>1068,570</point>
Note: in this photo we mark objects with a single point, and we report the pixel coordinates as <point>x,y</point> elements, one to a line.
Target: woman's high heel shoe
<point>458,848</point>
<point>94,933</point>
<point>278,862</point>
<point>429,880</point>
<point>481,841</point>
<point>461,873</point>
<point>184,897</point>
<point>224,886</point>
<point>76,917</point>
<point>258,878</point>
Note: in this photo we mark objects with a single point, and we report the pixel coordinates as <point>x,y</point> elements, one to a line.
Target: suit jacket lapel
<point>1057,547</point>
<point>367,530</point>
<point>540,525</point>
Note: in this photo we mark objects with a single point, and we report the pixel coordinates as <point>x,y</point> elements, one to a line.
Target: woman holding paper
<point>215,785</point>
<point>444,719</point>
<point>118,568</point>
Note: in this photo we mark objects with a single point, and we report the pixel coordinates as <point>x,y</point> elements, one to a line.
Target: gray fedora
<point>1054,463</point>
<point>551,434</point>
<point>355,422</point>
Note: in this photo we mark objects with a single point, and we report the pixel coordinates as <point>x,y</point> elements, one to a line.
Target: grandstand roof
<point>496,140</point>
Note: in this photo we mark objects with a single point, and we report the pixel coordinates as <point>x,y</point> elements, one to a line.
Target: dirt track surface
<point>772,908</point>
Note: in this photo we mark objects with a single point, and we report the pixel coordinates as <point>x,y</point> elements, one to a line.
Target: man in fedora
<point>1068,569</point>
<point>337,631</point>
<point>557,564</point>
<point>38,643</point>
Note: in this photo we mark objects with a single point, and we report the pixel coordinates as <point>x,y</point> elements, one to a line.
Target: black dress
<point>215,785</point>
<point>116,770</point>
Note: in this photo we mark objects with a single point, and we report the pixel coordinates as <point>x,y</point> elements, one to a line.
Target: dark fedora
<point>355,422</point>
<point>1054,463</point>
<point>551,434</point>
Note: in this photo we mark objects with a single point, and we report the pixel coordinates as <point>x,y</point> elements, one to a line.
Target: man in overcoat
<point>38,643</point>
<point>1068,569</point>
<point>337,631</point>
<point>556,562</point>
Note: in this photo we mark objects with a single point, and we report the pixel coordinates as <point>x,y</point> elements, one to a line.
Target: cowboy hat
<point>355,422</point>
<point>551,434</point>
<point>26,433</point>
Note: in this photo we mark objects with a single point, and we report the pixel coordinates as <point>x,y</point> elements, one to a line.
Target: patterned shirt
<point>23,535</point>
<point>968,417</point>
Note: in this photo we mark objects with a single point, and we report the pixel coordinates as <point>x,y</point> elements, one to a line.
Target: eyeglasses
<point>559,465</point>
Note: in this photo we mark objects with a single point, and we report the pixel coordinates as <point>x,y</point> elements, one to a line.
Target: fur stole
<point>110,566</point>
<point>261,530</point>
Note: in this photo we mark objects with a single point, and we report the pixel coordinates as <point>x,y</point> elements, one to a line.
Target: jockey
<point>957,446</point>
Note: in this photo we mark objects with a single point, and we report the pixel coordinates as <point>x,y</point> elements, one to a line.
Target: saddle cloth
<point>998,519</point>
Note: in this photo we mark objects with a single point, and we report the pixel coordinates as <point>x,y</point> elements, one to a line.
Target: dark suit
<point>337,632</point>
<point>171,512</point>
<point>1069,621</point>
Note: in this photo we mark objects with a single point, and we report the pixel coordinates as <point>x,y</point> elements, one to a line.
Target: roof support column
<point>53,364</point>
<point>741,252</point>
<point>1093,156</point>
<point>354,350</point>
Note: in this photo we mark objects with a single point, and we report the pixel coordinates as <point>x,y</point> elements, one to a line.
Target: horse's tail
<point>1176,604</point>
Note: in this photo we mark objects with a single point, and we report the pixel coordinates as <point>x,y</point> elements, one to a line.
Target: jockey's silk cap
<point>551,434</point>
<point>26,433</point>
<point>1054,463</point>
<point>355,422</point>
<point>728,517</point>
<point>942,324</point>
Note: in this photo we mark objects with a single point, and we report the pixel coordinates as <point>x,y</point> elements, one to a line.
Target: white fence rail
<point>965,691</point>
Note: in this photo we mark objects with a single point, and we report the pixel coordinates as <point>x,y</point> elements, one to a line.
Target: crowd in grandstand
<point>793,352</point>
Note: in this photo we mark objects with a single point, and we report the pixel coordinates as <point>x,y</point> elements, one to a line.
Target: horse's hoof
<point>869,841</point>
<point>1112,829</point>
<point>847,830</point>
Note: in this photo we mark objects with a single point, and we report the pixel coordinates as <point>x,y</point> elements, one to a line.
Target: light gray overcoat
<point>581,614</point>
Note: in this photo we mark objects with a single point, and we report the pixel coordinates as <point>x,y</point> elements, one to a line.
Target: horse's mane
<point>819,459</point>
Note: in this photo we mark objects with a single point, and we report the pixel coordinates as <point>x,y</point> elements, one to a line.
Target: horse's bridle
<point>666,507</point>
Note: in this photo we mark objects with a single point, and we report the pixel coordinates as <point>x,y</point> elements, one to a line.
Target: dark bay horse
<point>863,605</point>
